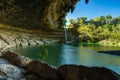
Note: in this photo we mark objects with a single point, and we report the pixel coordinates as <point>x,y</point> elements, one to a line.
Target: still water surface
<point>80,54</point>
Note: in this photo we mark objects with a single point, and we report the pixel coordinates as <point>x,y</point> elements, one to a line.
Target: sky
<point>95,8</point>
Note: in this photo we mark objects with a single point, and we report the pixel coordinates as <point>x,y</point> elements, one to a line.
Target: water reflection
<point>68,54</point>
<point>84,54</point>
<point>43,53</point>
<point>81,54</point>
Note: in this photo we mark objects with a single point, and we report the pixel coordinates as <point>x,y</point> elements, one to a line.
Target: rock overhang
<point>35,14</point>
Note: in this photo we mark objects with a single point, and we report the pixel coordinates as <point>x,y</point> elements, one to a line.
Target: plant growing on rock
<point>43,52</point>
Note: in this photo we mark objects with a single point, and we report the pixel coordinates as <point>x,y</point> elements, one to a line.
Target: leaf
<point>86,1</point>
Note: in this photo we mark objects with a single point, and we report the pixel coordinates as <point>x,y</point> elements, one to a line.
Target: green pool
<point>80,54</point>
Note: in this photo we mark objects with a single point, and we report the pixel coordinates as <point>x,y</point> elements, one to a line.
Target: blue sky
<point>95,8</point>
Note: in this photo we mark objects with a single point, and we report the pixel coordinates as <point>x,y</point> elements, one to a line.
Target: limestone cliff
<point>46,14</point>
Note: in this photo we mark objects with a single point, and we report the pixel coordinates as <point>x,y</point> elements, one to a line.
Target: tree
<point>64,22</point>
<point>85,32</point>
<point>71,21</point>
<point>108,19</point>
<point>97,29</point>
<point>102,20</point>
<point>115,21</point>
<point>97,21</point>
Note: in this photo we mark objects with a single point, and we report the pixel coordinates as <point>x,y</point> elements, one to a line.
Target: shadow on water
<point>112,52</point>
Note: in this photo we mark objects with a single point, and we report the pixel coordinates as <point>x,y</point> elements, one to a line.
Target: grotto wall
<point>35,14</point>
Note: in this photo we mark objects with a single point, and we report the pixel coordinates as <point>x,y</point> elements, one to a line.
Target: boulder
<point>17,59</point>
<point>102,73</point>
<point>23,79</point>
<point>78,72</point>
<point>43,70</point>
<point>74,72</point>
<point>34,77</point>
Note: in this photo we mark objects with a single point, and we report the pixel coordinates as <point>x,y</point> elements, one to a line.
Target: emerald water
<point>80,54</point>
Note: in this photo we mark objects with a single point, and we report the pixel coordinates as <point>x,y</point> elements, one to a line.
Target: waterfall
<point>68,35</point>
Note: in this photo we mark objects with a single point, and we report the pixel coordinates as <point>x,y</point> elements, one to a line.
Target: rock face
<point>47,14</point>
<point>13,37</point>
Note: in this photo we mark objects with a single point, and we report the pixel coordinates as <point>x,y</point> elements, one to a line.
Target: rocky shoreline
<point>16,37</point>
<point>37,70</point>
<point>14,66</point>
<point>22,39</point>
<point>110,42</point>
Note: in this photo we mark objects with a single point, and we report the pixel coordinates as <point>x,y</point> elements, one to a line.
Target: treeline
<point>97,29</point>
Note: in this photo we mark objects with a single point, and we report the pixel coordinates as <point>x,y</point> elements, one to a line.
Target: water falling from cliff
<point>68,35</point>
<point>65,29</point>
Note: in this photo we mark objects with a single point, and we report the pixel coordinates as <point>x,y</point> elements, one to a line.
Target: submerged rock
<point>75,72</point>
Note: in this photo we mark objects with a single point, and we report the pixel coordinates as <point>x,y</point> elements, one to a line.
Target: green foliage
<point>97,29</point>
<point>43,52</point>
<point>108,17</point>
<point>64,22</point>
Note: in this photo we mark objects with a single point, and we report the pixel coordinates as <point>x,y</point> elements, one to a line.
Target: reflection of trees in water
<point>96,47</point>
<point>43,54</point>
